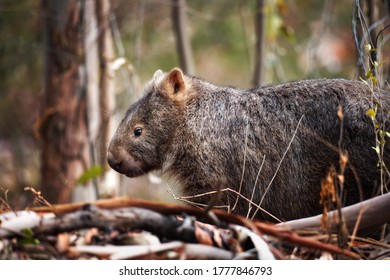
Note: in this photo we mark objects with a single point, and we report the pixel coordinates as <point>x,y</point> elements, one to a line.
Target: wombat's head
<point>145,134</point>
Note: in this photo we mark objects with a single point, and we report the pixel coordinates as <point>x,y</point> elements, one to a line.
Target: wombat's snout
<point>123,162</point>
<point>114,162</point>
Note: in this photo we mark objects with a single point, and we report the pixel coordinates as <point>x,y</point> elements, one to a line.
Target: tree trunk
<point>109,182</point>
<point>258,73</point>
<point>89,189</point>
<point>179,20</point>
<point>63,126</point>
<point>106,82</point>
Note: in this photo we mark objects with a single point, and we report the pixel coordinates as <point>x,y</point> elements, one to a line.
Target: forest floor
<point>138,229</point>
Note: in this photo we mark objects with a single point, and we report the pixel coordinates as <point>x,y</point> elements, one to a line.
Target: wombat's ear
<point>158,74</point>
<point>174,83</point>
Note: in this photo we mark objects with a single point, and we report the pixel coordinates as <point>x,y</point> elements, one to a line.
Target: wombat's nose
<point>113,162</point>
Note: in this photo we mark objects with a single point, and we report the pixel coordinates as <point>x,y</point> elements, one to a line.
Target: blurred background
<point>69,69</point>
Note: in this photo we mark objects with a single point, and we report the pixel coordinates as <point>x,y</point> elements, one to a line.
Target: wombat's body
<point>209,137</point>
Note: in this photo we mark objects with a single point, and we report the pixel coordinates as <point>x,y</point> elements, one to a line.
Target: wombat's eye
<point>137,132</point>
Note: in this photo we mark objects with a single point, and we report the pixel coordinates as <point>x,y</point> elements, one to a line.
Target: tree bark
<point>179,20</point>
<point>106,81</point>
<point>63,127</point>
<point>258,73</point>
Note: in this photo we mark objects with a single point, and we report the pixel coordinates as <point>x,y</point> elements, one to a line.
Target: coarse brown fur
<point>207,137</point>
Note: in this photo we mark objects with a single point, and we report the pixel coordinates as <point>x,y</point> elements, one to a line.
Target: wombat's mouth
<point>134,172</point>
<point>128,166</point>
<point>130,171</point>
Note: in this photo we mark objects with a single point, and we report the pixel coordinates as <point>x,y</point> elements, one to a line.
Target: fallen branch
<point>190,251</point>
<point>173,209</point>
<point>291,237</point>
<point>162,208</point>
<point>130,218</point>
<point>369,215</point>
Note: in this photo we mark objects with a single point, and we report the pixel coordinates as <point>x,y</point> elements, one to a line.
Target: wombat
<point>273,144</point>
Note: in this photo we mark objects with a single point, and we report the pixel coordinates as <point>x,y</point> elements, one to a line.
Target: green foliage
<point>381,134</point>
<point>372,113</point>
<point>89,174</point>
<point>28,237</point>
